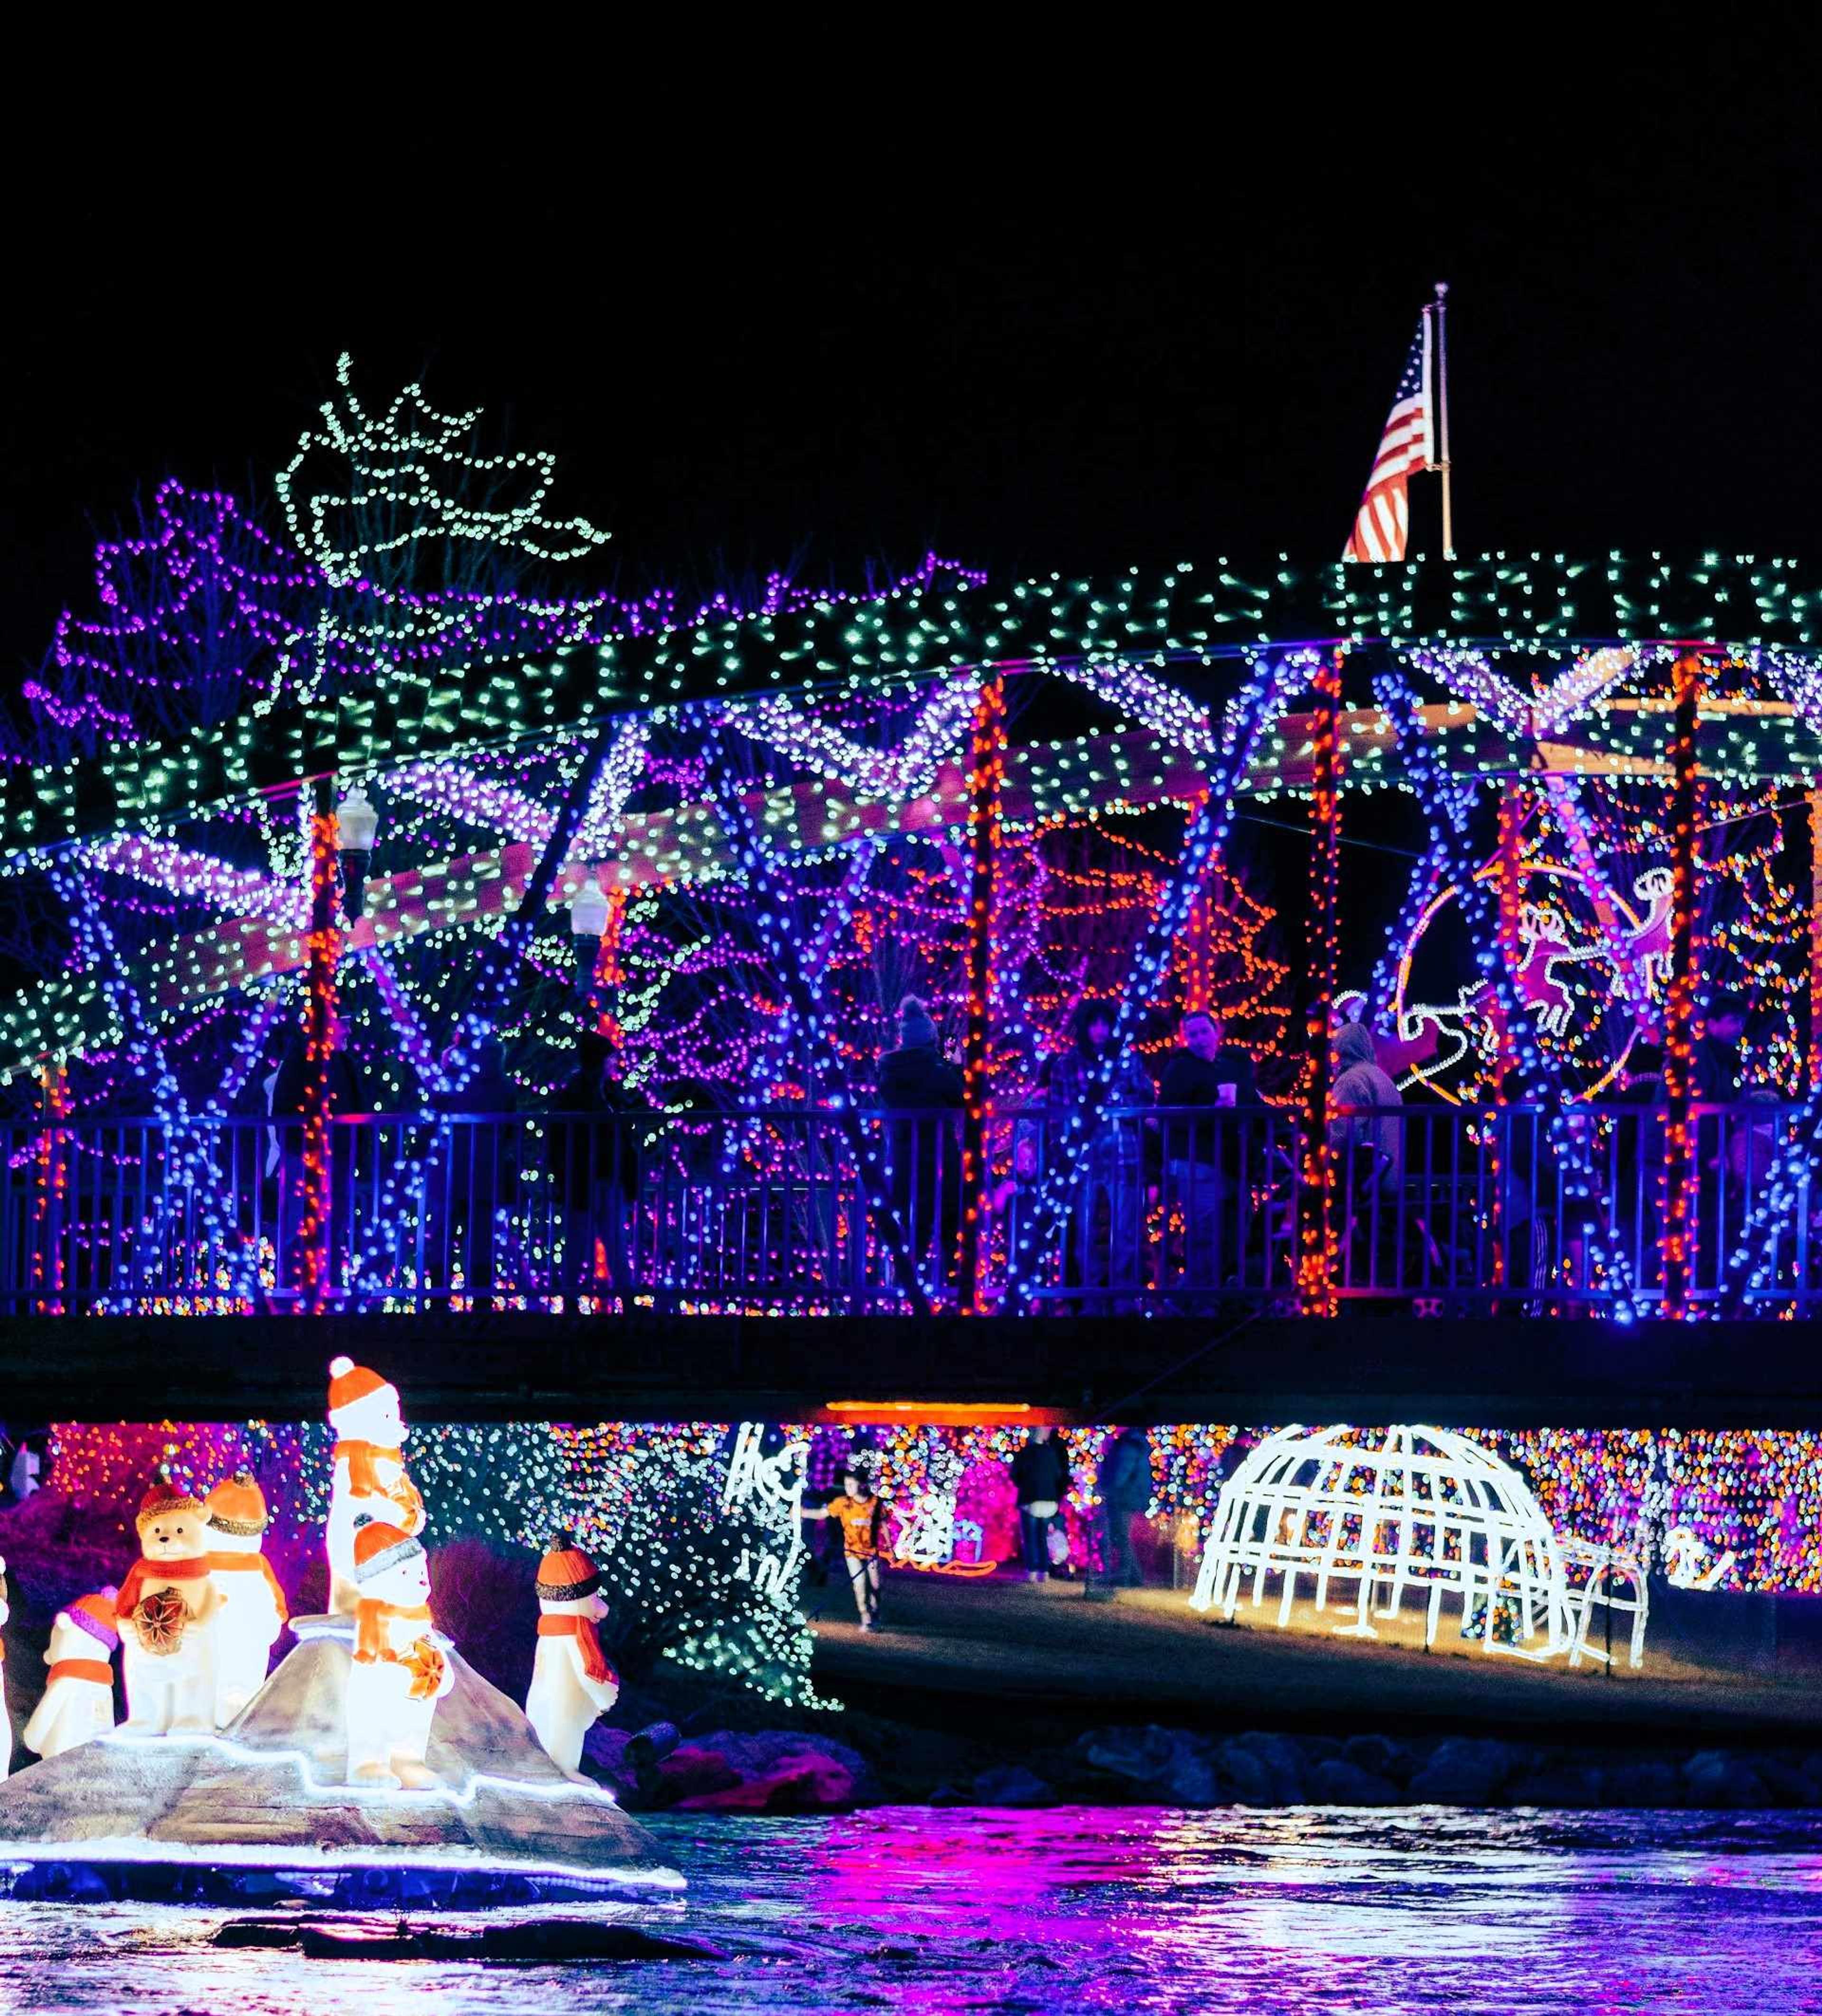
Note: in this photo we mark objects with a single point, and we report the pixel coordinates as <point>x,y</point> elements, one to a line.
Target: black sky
<point>1155,337</point>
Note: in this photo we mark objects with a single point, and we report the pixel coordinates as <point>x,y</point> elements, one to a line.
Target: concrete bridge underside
<point>1363,1368</point>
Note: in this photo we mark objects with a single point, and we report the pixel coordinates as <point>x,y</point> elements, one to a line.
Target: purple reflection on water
<point>1137,1910</point>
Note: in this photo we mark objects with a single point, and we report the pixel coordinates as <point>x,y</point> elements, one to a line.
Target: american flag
<point>1382,523</point>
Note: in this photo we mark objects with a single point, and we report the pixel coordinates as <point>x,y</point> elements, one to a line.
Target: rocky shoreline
<point>785,1771</point>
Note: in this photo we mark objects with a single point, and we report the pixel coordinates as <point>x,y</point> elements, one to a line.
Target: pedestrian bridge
<point>1204,1215</point>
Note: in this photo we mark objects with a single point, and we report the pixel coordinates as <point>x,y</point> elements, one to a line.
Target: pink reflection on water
<point>999,1872</point>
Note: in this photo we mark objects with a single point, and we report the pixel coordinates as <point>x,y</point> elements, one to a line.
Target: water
<point>915,1910</point>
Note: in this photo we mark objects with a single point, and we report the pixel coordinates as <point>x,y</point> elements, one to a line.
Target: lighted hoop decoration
<point>1465,1025</point>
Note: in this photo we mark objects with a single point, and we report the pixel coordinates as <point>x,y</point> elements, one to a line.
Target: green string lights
<point>919,634</point>
<point>405,476</point>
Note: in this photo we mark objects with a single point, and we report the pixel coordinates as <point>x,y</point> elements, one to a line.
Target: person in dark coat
<point>345,1092</point>
<point>477,1162</point>
<point>1715,1057</point>
<point>923,1153</point>
<point>1638,1160</point>
<point>1716,1074</point>
<point>1106,1163</point>
<point>1198,1073</point>
<point>1531,1173</point>
<point>1209,1166</point>
<point>1040,1479</point>
<point>594,1161</point>
<point>1124,1484</point>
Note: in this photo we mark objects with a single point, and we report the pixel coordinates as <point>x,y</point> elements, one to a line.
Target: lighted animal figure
<point>370,1481</point>
<point>253,1606</point>
<point>398,1673</point>
<point>572,1682</point>
<point>167,1609</point>
<point>1650,947</point>
<point>1540,932</point>
<point>78,1703</point>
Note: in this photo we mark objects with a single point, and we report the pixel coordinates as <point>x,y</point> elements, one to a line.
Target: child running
<point>860,1513</point>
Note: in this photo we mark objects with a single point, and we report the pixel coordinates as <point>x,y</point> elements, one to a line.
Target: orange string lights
<point>986,776</point>
<point>1679,1012</point>
<point>604,982</point>
<point>1316,1261</point>
<point>50,1190</point>
<point>323,948</point>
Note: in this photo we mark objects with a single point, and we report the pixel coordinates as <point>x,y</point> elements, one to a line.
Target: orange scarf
<point>246,1564</point>
<point>363,1480</point>
<point>423,1661</point>
<point>595,1661</point>
<point>143,1571</point>
<point>369,1640</point>
<point>97,1670</point>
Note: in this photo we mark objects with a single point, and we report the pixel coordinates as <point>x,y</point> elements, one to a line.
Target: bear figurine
<point>253,1609</point>
<point>166,1612</point>
<point>400,1672</point>
<point>77,1703</point>
<point>370,1480</point>
<point>571,1682</point>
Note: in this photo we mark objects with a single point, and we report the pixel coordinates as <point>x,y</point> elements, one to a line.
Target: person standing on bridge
<point>1107,1160</point>
<point>924,1158</point>
<point>462,1185</point>
<point>290,1099</point>
<point>594,1159</point>
<point>1209,1164</point>
<point>1717,1073</point>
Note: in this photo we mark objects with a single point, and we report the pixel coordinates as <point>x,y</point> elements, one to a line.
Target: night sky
<point>1082,356</point>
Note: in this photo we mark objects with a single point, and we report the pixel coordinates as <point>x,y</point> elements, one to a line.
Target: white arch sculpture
<point>1402,1507</point>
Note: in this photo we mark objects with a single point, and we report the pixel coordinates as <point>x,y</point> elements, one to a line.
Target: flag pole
<point>1442,419</point>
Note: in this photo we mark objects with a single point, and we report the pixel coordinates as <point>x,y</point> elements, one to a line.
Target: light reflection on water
<point>1128,1909</point>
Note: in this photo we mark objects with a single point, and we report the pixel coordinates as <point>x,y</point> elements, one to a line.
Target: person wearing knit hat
<point>399,1672</point>
<point>923,1154</point>
<point>167,1608</point>
<point>78,1703</point>
<point>253,1605</point>
<point>370,1480</point>
<point>572,1682</point>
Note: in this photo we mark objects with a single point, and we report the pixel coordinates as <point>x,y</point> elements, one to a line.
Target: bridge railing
<point>802,1210</point>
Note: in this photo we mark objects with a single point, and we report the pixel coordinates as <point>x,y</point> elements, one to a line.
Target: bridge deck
<point>1501,1372</point>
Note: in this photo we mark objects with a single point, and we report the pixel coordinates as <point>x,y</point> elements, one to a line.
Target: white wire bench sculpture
<point>1590,1569</point>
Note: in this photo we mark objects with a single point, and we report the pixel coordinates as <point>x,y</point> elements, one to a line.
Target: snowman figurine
<point>253,1609</point>
<point>369,1481</point>
<point>400,1672</point>
<point>571,1682</point>
<point>167,1609</point>
<point>77,1703</point>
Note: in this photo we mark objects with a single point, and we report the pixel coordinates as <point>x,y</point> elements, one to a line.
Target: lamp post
<point>588,920</point>
<point>357,823</point>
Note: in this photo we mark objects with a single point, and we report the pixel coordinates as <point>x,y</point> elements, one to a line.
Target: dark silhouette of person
<point>594,1159</point>
<point>917,1080</point>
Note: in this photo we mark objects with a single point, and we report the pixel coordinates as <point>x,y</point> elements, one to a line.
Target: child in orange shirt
<point>860,1513</point>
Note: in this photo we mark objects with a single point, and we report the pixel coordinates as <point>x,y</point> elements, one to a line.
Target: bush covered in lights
<point>646,1501</point>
